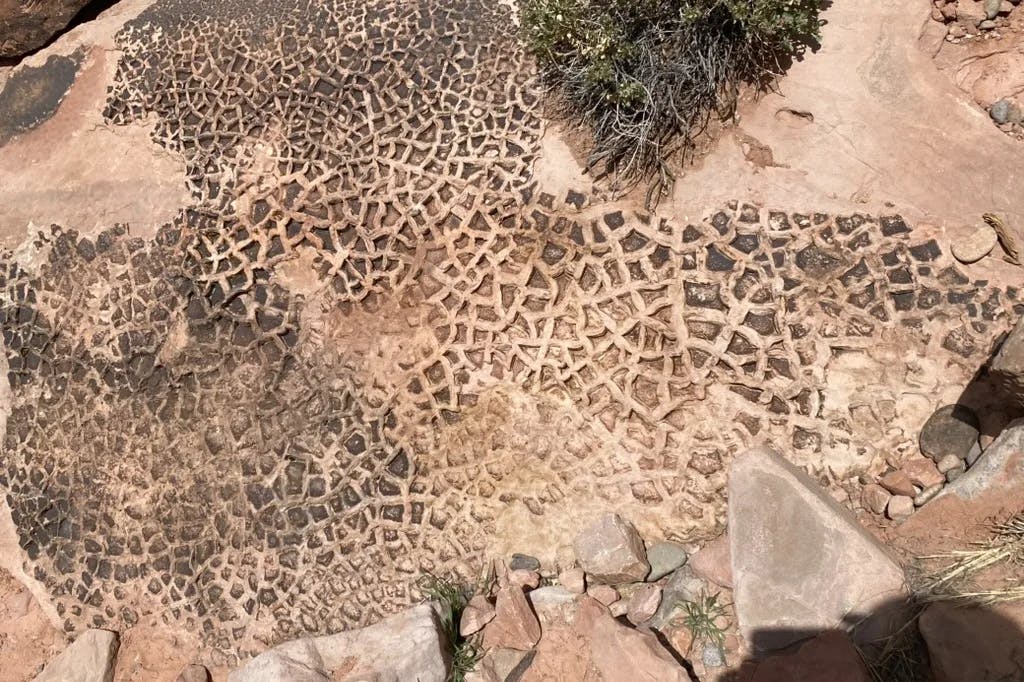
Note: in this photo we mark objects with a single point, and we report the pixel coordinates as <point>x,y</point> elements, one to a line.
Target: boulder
<point>26,26</point>
<point>514,626</point>
<point>409,646</point>
<point>1000,468</point>
<point>713,562</point>
<point>978,644</point>
<point>801,562</point>
<point>829,656</point>
<point>90,658</point>
<point>664,557</point>
<point>611,551</point>
<point>951,430</point>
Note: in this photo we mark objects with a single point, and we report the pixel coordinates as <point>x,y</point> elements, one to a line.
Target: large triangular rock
<point>90,658</point>
<point>801,563</point>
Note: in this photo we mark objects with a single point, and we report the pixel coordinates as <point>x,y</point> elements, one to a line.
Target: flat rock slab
<point>25,26</point>
<point>409,646</point>
<point>90,658</point>
<point>801,562</point>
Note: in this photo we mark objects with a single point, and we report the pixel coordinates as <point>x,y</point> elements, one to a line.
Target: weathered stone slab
<point>26,26</point>
<point>829,656</point>
<point>801,562</point>
<point>1007,366</point>
<point>90,658</point>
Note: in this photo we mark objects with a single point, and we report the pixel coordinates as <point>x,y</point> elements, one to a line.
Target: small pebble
<point>606,594</point>
<point>524,562</point>
<point>712,656</point>
<point>900,507</point>
<point>987,25</point>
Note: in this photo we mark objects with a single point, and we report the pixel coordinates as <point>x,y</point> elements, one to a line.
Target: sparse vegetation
<point>452,599</point>
<point>706,619</point>
<point>647,75</point>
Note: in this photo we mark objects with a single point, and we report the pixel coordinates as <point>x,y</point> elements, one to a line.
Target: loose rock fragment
<point>611,551</point>
<point>90,658</point>
<point>643,604</point>
<point>514,626</point>
<point>976,245</point>
<point>898,483</point>
<point>875,497</point>
<point>664,557</point>
<point>606,594</point>
<point>951,430</point>
<point>900,507</point>
<point>478,613</point>
<point>922,472</point>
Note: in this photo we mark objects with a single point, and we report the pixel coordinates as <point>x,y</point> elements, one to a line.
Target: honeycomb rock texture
<point>373,340</point>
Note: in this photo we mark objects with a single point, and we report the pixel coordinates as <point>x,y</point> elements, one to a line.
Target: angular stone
<point>25,26</point>
<point>900,507</point>
<point>611,551</point>
<point>478,613</point>
<point>682,586</point>
<point>90,658</point>
<point>574,580</point>
<point>875,497</point>
<point>922,472</point>
<point>606,594</point>
<point>829,656</point>
<point>193,673</point>
<point>498,664</point>
<point>524,562</point>
<point>552,603</point>
<point>981,644</point>
<point>643,604</point>
<point>664,557</point>
<point>620,653</point>
<point>713,562</point>
<point>524,578</point>
<point>514,626</point>
<point>411,645</point>
<point>898,483</point>
<point>1007,367</point>
<point>805,566</point>
<point>976,245</point>
<point>951,430</point>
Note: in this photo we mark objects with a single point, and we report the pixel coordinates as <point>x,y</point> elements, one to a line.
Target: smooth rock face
<point>713,562</point>
<point>951,430</point>
<point>664,557</point>
<point>643,604</point>
<point>551,603</point>
<point>976,245</point>
<point>514,626</point>
<point>478,613</point>
<point>25,26</point>
<point>524,562</point>
<point>606,594</point>
<point>611,551</point>
<point>90,658</point>
<point>875,497</point>
<point>622,654</point>
<point>1008,365</point>
<point>807,566</point>
<point>1001,467</point>
<point>899,507</point>
<point>976,644</point>
<point>193,673</point>
<point>409,646</point>
<point>829,656</point>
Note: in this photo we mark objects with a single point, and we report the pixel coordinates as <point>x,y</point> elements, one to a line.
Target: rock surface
<point>806,566</point>
<point>514,626</point>
<point>977,644</point>
<point>922,472</point>
<point>899,507</point>
<point>875,497</point>
<point>193,673</point>
<point>478,613</point>
<point>26,26</point>
<point>975,246</point>
<point>951,430</point>
<point>898,483</point>
<point>1008,365</point>
<point>1000,469</point>
<point>90,658</point>
<point>643,604</point>
<point>713,562</point>
<point>829,656</point>
<point>664,557</point>
<point>574,580</point>
<point>408,646</point>
<point>622,654</point>
<point>611,551</point>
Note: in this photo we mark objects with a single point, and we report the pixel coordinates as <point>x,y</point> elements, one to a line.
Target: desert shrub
<point>647,75</point>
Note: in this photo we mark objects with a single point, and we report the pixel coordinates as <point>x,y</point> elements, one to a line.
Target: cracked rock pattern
<point>373,334</point>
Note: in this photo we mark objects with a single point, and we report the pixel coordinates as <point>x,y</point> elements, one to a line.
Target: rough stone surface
<point>975,246</point>
<point>551,604</point>
<point>948,463</point>
<point>1007,366</point>
<point>606,594</point>
<point>622,654</point>
<point>922,471</point>
<point>951,430</point>
<point>193,673</point>
<point>524,578</point>
<point>829,656</point>
<point>643,604</point>
<point>478,613</point>
<point>574,580</point>
<point>808,564</point>
<point>26,26</point>
<point>682,585</point>
<point>1000,468</point>
<point>611,551</point>
<point>875,497</point>
<point>524,562</point>
<point>664,557</point>
<point>713,562</point>
<point>928,494</point>
<point>976,644</point>
<point>900,507</point>
<point>408,646</point>
<point>90,658</point>
<point>515,625</point>
<point>898,483</point>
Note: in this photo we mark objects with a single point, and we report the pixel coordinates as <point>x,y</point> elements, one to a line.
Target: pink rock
<point>643,603</point>
<point>899,507</point>
<point>622,654</point>
<point>514,626</point>
<point>606,594</point>
<point>713,562</point>
<point>922,472</point>
<point>875,498</point>
<point>898,483</point>
<point>611,551</point>
<point>524,578</point>
<point>478,613</point>
<point>574,580</point>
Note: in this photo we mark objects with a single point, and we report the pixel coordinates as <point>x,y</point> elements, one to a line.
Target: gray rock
<point>1000,111</point>
<point>951,430</point>
<point>712,656</point>
<point>682,586</point>
<point>25,26</point>
<point>90,658</point>
<point>954,474</point>
<point>664,557</point>
<point>1000,468</point>
<point>976,245</point>
<point>611,551</point>
<point>193,673</point>
<point>801,562</point>
<point>408,646</point>
<point>973,643</point>
<point>1007,367</point>
<point>973,455</point>
<point>948,463</point>
<point>987,25</point>
<point>900,507</point>
<point>992,8</point>
<point>552,604</point>
<point>524,562</point>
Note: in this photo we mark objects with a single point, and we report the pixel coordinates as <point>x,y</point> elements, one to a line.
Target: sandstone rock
<point>900,507</point>
<point>1000,468</point>
<point>514,626</point>
<point>875,497</point>
<point>806,565</point>
<point>829,656</point>
<point>618,608</point>
<point>524,562</point>
<point>948,463</point>
<point>26,26</point>
<point>975,246</point>
<point>682,586</point>
<point>611,551</point>
<point>573,580</point>
<point>992,8</point>
<point>622,654</point>
<point>524,578</point>
<point>643,604</point>
<point>498,664</point>
<point>193,673</point>
<point>605,594</point>
<point>1008,365</point>
<point>951,430</point>
<point>922,472</point>
<point>977,644</point>
<point>90,658</point>
<point>664,557</point>
<point>898,483</point>
<point>551,604</point>
<point>713,562</point>
<point>408,646</point>
<point>478,613</point>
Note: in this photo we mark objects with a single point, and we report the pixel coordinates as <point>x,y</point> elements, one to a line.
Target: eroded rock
<point>829,656</point>
<point>478,613</point>
<point>514,626</point>
<point>26,26</point>
<point>90,658</point>
<point>977,644</point>
<point>664,557</point>
<point>611,551</point>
